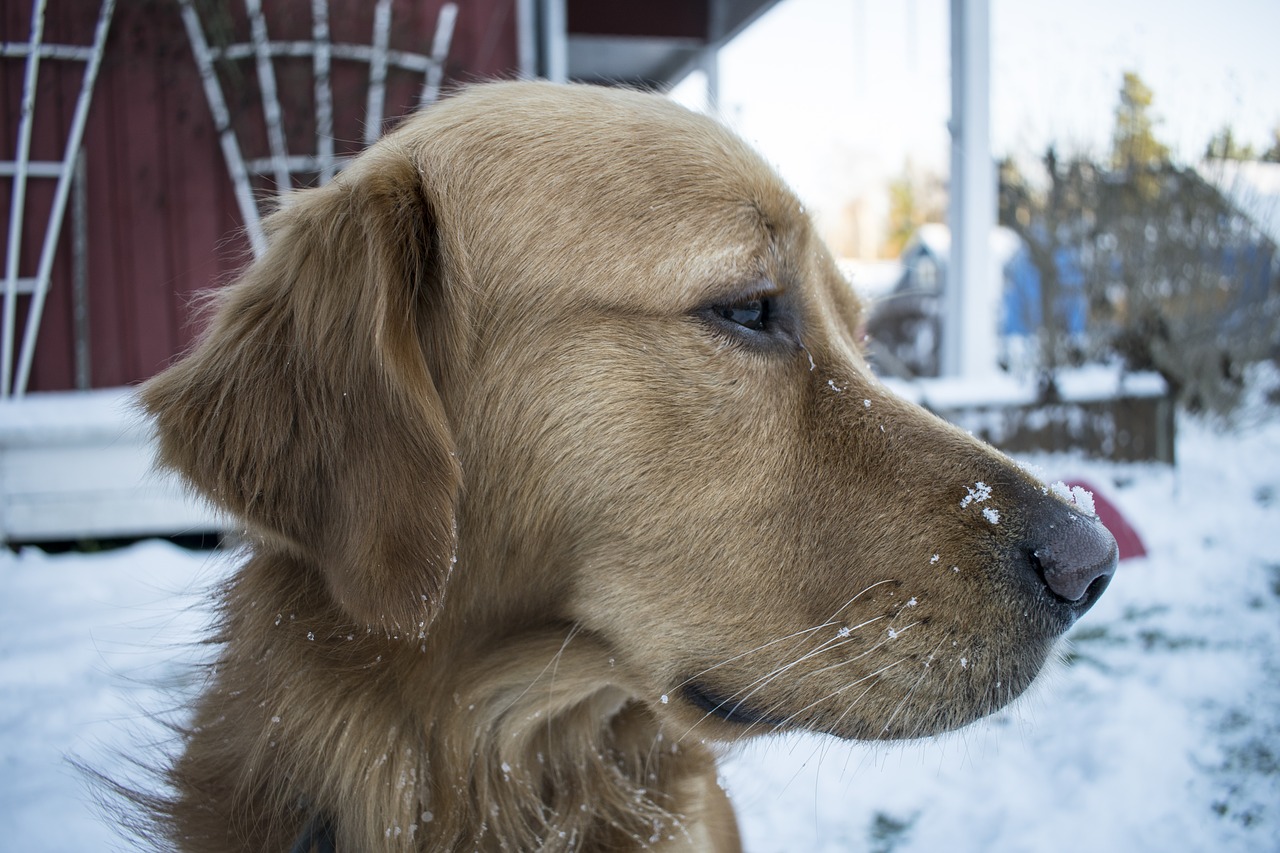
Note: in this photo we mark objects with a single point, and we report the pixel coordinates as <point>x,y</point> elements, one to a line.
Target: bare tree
<point>1177,280</point>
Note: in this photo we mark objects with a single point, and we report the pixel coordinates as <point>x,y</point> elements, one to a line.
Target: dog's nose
<point>1076,556</point>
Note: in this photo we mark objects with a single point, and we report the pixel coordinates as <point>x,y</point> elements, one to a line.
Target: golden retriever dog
<point>558,461</point>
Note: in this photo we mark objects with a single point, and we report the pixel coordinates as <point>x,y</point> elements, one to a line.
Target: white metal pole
<point>378,72</point>
<point>80,275</point>
<point>226,136</point>
<point>323,88</point>
<point>717,26</point>
<point>439,53</point>
<point>19,199</point>
<point>270,99</point>
<point>527,38</point>
<point>555,41</point>
<point>971,298</point>
<point>36,311</point>
<point>711,70</point>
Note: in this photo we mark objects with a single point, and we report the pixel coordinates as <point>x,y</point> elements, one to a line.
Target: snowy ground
<point>1161,734</point>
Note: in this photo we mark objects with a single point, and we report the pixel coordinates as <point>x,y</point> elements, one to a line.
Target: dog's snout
<point>1076,557</point>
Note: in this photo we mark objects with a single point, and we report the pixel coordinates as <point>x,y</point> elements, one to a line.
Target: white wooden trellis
<point>280,165</point>
<point>13,383</point>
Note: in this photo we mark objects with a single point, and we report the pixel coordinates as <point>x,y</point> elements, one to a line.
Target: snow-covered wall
<point>79,465</point>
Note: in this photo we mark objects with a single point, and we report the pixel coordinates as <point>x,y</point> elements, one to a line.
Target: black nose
<point>1076,557</point>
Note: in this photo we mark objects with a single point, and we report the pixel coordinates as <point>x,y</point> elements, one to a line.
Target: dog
<point>559,464</point>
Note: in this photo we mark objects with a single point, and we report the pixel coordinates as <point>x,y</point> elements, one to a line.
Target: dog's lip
<point>729,710</point>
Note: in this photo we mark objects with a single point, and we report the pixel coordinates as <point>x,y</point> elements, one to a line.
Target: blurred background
<point>1063,219</point>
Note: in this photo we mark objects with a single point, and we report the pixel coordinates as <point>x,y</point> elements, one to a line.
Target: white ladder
<point>280,166</point>
<point>13,384</point>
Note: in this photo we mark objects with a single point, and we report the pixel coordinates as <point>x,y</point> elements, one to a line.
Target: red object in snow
<point>1127,538</point>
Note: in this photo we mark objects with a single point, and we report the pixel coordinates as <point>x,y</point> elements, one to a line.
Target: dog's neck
<point>559,754</point>
<point>463,742</point>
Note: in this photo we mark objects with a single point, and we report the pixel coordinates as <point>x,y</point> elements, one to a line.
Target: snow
<point>1083,498</point>
<point>873,280</point>
<point>1075,385</point>
<point>936,238</point>
<point>979,493</point>
<point>1103,382</point>
<point>1252,186</point>
<point>40,418</point>
<point>90,644</point>
<point>1160,732</point>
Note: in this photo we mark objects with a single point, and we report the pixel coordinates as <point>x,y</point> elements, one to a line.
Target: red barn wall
<point>162,224</point>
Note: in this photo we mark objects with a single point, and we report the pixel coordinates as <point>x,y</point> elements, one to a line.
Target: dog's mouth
<point>729,710</point>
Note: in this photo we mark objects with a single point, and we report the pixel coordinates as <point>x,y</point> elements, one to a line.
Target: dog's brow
<point>722,272</point>
<point>754,286</point>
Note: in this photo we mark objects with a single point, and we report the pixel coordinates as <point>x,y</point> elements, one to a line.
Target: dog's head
<point>582,350</point>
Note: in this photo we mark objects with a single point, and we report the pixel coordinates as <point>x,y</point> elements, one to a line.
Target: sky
<point>840,93</point>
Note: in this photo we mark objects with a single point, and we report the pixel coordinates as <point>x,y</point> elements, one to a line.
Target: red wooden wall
<point>163,224</point>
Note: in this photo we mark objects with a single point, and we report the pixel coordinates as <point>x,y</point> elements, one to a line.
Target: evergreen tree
<point>1135,151</point>
<point>1223,146</point>
<point>1272,154</point>
<point>903,215</point>
<point>914,199</point>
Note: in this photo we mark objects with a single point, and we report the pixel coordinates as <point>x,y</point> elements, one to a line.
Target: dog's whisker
<point>847,661</point>
<point>827,743</point>
<point>751,689</point>
<point>768,678</point>
<point>845,606</point>
<point>551,666</point>
<point>894,634</point>
<point>834,618</point>
<point>554,663</point>
<point>924,673</point>
<point>834,693</point>
<point>839,665</point>
<point>841,638</point>
<point>750,652</point>
<point>854,703</point>
<point>846,630</point>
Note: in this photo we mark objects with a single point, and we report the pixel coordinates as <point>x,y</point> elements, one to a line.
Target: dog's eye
<point>753,314</point>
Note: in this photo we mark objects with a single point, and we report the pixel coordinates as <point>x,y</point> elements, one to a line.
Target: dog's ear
<point>310,409</point>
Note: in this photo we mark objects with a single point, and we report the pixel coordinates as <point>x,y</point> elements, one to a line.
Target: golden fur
<point>531,520</point>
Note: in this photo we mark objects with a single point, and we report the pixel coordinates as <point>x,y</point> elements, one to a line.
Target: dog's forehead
<point>630,184</point>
